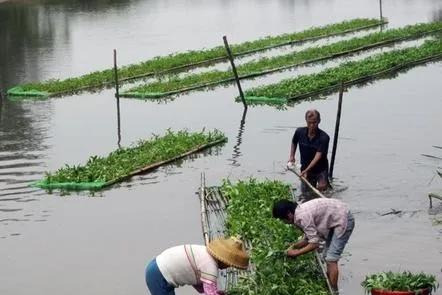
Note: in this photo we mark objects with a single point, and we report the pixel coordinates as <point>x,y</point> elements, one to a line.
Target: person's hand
<point>304,173</point>
<point>292,246</point>
<point>291,164</point>
<point>293,253</point>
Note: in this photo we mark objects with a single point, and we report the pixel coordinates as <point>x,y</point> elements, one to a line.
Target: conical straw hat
<point>229,251</point>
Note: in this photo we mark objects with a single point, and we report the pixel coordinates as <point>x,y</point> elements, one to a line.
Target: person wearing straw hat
<point>195,265</point>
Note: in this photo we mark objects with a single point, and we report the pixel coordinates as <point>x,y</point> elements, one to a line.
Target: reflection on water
<point>236,148</point>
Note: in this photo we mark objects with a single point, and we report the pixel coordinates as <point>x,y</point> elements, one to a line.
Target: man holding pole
<point>313,148</point>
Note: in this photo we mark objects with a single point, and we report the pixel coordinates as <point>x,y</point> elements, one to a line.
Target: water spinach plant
<point>185,60</point>
<point>400,281</point>
<point>263,66</point>
<point>349,73</point>
<point>249,215</point>
<point>122,163</point>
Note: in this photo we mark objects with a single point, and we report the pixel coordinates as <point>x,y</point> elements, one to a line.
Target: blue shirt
<point>309,147</point>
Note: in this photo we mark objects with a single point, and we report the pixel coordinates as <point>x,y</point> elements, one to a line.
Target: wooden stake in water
<point>380,9</point>
<point>235,73</point>
<point>338,121</point>
<point>117,95</point>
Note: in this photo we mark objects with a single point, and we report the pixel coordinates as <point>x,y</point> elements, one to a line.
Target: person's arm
<point>312,164</point>
<point>308,248</point>
<point>293,146</point>
<point>300,244</point>
<point>211,288</point>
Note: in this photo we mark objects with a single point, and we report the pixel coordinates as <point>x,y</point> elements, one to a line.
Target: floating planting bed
<point>349,73</point>
<point>124,163</point>
<point>244,209</point>
<point>186,60</point>
<point>175,85</point>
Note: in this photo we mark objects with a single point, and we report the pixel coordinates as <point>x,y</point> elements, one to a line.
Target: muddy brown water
<point>82,244</point>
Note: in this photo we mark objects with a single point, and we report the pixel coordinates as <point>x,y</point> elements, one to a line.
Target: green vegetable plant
<point>174,84</point>
<point>349,73</point>
<point>399,281</point>
<point>124,161</point>
<point>249,215</point>
<point>182,61</point>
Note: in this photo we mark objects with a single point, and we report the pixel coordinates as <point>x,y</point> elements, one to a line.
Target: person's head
<point>284,210</point>
<point>312,118</point>
<point>229,252</point>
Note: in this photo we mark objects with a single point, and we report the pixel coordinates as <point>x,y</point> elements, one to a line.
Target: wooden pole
<point>337,124</point>
<point>202,194</point>
<point>380,10</point>
<point>235,73</point>
<point>314,189</point>
<point>117,95</point>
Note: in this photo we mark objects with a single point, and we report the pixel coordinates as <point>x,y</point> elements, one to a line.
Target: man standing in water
<point>313,148</point>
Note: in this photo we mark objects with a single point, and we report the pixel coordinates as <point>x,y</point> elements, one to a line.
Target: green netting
<point>142,94</point>
<point>75,186</point>
<point>19,91</point>
<point>264,99</point>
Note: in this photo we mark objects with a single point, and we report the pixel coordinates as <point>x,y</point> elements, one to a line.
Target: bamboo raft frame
<point>213,216</point>
<point>211,61</point>
<point>136,94</point>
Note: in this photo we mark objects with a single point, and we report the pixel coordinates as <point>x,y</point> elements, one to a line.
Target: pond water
<point>100,243</point>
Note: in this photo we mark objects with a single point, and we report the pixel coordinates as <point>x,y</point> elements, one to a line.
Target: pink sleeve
<point>210,288</point>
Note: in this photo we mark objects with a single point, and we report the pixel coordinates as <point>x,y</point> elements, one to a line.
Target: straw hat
<point>229,251</point>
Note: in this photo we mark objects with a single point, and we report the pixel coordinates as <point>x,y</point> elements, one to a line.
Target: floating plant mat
<point>100,172</point>
<point>244,209</point>
<point>175,85</point>
<point>349,73</point>
<point>186,60</point>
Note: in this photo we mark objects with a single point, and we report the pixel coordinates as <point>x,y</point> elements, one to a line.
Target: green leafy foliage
<point>176,60</point>
<point>249,215</point>
<point>399,281</point>
<point>123,161</point>
<point>305,84</point>
<point>264,65</point>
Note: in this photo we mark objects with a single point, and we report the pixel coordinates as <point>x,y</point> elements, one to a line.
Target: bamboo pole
<point>337,124</point>
<point>314,189</point>
<point>235,73</point>
<point>117,95</point>
<point>202,194</point>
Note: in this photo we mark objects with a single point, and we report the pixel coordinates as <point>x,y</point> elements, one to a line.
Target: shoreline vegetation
<point>178,62</point>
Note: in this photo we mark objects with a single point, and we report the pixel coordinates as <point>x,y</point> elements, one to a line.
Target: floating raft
<point>99,184</point>
<point>213,220</point>
<point>348,74</point>
<point>265,66</point>
<point>183,61</point>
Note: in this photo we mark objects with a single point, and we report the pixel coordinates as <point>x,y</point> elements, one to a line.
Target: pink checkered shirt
<point>318,216</point>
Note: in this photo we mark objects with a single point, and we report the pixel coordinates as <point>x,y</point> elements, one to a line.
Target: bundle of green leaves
<point>399,281</point>
<point>123,161</point>
<point>249,214</point>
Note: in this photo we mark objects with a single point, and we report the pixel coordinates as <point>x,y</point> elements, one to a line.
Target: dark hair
<point>313,112</point>
<point>282,208</point>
